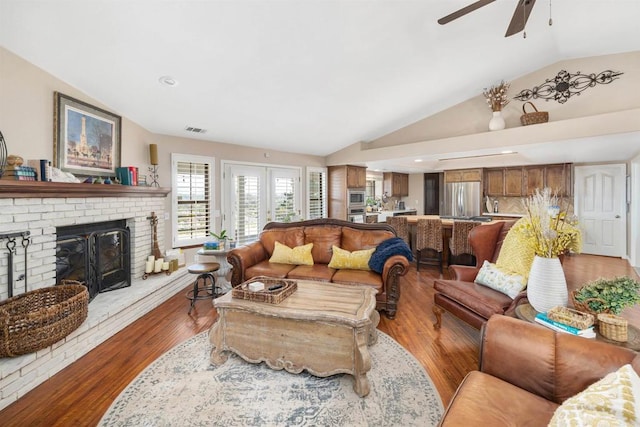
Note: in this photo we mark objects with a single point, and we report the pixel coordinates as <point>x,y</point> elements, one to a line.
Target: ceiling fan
<point>518,21</point>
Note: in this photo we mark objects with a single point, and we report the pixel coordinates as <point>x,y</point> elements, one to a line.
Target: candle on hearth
<point>148,267</point>
<point>158,265</point>
<point>151,258</point>
<point>165,266</point>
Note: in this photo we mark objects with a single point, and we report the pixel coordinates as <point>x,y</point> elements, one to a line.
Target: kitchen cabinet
<point>340,180</point>
<point>463,175</point>
<point>356,177</point>
<point>533,178</point>
<point>395,184</point>
<point>558,179</point>
<point>523,181</point>
<point>494,182</point>
<point>513,182</point>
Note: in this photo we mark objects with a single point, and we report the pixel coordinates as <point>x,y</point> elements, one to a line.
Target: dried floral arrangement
<point>549,229</point>
<point>496,96</point>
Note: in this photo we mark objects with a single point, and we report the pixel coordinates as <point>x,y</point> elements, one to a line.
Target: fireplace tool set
<point>11,246</point>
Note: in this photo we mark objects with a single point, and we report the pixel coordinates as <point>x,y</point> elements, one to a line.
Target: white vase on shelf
<point>547,286</point>
<point>497,121</point>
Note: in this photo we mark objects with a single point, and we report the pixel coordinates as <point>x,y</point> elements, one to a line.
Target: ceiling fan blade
<point>520,17</point>
<point>461,12</point>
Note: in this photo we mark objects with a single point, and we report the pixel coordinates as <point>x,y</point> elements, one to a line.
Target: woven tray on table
<point>36,319</point>
<point>575,318</point>
<point>272,297</point>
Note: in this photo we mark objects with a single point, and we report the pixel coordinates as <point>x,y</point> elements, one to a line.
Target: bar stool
<point>459,245</point>
<point>204,290</point>
<point>400,224</point>
<point>429,240</point>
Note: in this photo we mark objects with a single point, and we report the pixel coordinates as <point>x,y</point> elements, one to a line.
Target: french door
<point>256,195</point>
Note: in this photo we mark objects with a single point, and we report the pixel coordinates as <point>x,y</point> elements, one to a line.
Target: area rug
<point>182,388</point>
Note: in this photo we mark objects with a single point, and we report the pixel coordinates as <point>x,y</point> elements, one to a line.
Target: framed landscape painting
<point>86,138</point>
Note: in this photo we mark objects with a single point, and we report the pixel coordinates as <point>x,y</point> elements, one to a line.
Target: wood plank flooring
<point>81,393</point>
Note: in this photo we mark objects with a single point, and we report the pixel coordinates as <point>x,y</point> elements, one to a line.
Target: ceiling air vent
<point>195,130</point>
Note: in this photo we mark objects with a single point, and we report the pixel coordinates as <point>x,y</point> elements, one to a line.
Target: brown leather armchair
<point>526,371</point>
<point>471,302</point>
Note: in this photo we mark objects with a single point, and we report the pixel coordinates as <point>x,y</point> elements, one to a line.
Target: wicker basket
<point>613,327</point>
<point>272,297</point>
<point>584,306</point>
<point>533,118</point>
<point>36,319</point>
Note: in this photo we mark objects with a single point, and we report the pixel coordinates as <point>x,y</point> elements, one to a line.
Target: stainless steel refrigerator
<point>462,199</point>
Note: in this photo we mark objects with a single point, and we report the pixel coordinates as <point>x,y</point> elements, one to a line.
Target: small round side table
<point>528,313</point>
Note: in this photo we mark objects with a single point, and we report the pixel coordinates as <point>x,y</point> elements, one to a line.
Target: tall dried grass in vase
<point>550,230</point>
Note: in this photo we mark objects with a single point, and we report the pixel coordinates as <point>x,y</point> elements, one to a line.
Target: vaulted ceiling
<point>306,76</point>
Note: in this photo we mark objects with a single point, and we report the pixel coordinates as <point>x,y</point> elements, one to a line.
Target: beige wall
<point>26,121</point>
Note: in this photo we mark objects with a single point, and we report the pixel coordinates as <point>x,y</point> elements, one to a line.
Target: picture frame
<point>87,139</point>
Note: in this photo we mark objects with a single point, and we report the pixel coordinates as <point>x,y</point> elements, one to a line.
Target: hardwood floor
<point>80,394</point>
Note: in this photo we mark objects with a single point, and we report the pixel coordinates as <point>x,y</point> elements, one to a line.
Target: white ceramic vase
<point>547,286</point>
<point>497,121</point>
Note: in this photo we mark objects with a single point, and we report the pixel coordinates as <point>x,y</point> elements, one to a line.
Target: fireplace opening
<point>97,254</point>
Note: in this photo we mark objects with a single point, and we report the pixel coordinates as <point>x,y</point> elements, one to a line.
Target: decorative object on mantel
<point>153,169</point>
<point>551,233</point>
<point>533,118</point>
<point>565,84</point>
<point>496,97</point>
<point>3,154</point>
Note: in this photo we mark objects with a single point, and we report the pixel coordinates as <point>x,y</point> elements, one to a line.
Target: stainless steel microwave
<point>356,197</point>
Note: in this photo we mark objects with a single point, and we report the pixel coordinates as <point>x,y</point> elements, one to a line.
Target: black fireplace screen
<point>97,254</point>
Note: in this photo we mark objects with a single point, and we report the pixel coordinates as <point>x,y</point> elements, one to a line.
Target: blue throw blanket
<point>387,249</point>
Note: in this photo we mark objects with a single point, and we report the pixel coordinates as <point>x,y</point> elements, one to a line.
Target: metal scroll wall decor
<point>565,85</point>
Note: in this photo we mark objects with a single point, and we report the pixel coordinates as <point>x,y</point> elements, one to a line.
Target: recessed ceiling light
<point>417,160</point>
<point>506,152</point>
<point>168,81</point>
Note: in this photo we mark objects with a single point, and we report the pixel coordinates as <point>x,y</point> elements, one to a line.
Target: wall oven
<point>356,214</point>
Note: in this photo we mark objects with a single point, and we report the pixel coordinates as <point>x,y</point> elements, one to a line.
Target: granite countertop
<point>511,215</point>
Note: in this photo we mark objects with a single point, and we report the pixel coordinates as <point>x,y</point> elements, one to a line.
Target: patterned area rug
<point>181,388</point>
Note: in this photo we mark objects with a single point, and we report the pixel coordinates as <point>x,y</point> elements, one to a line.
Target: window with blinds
<point>284,204</point>
<point>247,208</point>
<point>316,193</point>
<point>192,196</point>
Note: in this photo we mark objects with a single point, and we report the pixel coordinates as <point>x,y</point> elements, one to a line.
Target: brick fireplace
<point>42,209</point>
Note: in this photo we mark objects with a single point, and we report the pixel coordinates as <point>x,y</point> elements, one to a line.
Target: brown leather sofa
<point>526,371</point>
<point>473,303</point>
<point>253,260</point>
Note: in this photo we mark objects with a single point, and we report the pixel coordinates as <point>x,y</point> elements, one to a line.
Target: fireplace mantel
<point>35,189</point>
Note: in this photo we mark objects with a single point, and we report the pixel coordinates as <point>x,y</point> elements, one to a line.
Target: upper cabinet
<point>463,175</point>
<point>523,181</point>
<point>356,176</point>
<point>395,184</point>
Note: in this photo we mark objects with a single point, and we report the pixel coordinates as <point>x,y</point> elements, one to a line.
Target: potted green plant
<point>222,237</point>
<point>607,295</point>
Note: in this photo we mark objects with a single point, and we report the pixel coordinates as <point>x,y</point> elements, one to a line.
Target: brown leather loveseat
<point>467,300</point>
<point>527,371</point>
<point>253,260</point>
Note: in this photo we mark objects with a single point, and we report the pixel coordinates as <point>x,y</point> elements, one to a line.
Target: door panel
<point>601,208</point>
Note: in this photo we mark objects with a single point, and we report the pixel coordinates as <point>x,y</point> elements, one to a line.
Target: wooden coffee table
<point>322,327</point>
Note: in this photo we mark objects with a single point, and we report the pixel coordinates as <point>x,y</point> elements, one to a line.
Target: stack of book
<point>20,173</point>
<point>544,320</point>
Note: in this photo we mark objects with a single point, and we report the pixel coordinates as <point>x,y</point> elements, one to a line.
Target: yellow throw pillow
<point>612,401</point>
<point>356,260</point>
<point>516,255</point>
<point>300,255</point>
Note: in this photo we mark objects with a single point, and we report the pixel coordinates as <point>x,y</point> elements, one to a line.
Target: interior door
<point>601,208</point>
